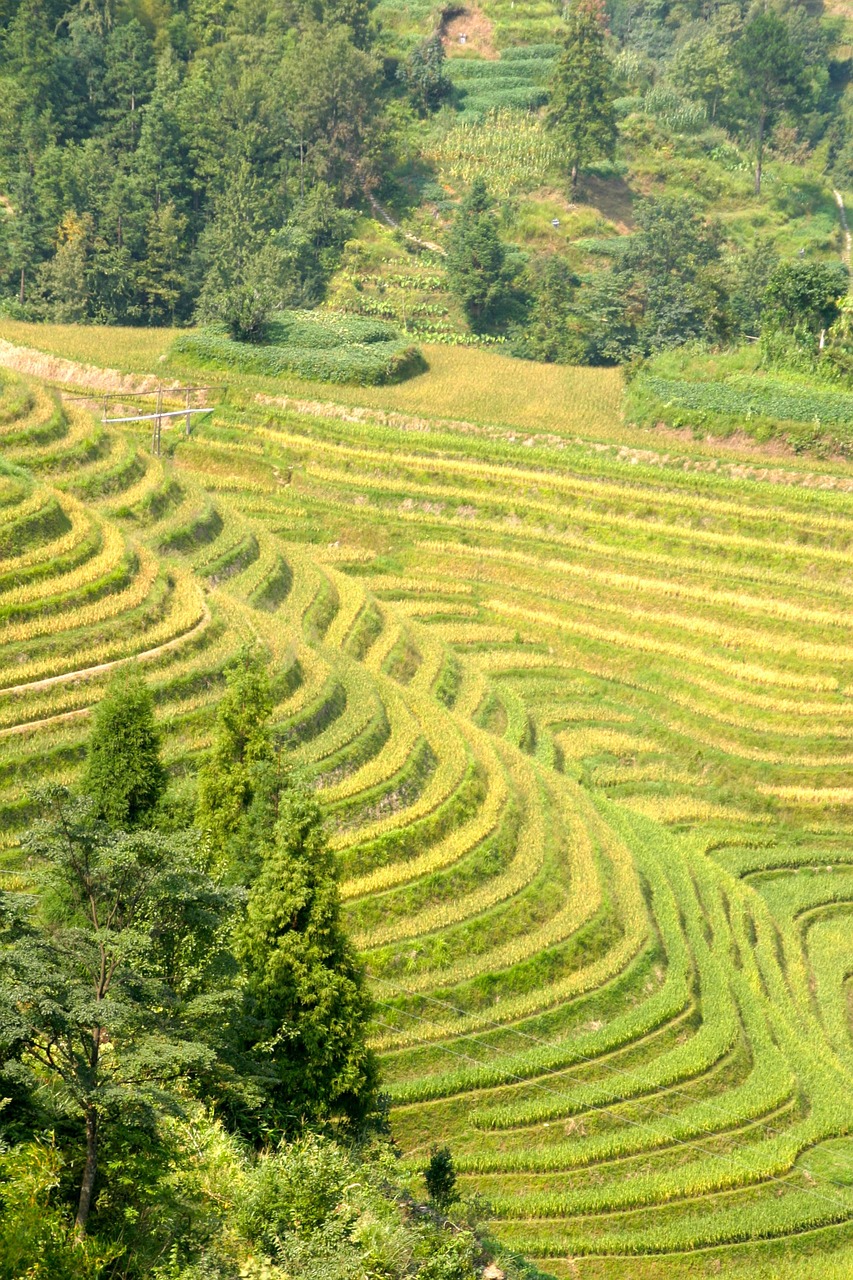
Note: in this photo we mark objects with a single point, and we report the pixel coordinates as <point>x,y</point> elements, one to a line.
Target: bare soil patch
<point>70,373</point>
<point>466,31</point>
<point>612,197</point>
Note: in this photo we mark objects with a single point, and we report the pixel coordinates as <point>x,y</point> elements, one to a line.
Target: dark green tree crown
<point>124,775</point>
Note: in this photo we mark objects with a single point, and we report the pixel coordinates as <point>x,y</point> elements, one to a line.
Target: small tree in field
<point>476,257</point>
<point>124,774</point>
<point>770,76</point>
<point>425,75</point>
<point>582,91</point>
<point>440,1178</point>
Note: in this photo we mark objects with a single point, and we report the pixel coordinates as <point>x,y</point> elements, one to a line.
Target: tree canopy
<point>97,995</point>
<point>582,90</point>
<point>476,258</point>
<point>124,775</point>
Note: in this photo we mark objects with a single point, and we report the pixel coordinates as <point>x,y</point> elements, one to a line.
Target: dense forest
<point>209,161</point>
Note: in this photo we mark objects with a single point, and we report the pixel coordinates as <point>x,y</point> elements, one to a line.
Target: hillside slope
<point>578,715</point>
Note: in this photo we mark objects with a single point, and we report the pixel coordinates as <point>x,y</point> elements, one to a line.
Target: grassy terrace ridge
<point>576,698</point>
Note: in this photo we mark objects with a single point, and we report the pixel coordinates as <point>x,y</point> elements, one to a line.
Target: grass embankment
<point>733,392</point>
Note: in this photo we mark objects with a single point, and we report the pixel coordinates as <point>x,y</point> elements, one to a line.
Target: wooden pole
<point>189,390</point>
<point>158,422</point>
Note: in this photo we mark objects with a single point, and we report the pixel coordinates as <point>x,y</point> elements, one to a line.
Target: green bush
<point>326,348</point>
<point>751,398</point>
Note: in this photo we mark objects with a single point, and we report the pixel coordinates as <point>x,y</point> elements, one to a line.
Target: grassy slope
<point>483,386</point>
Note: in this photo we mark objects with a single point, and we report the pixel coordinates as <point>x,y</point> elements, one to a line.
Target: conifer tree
<point>476,257</point>
<point>243,266</point>
<point>63,278</point>
<point>161,280</point>
<point>124,775</point>
<point>307,1002</point>
<point>582,91</point>
<point>241,761</point>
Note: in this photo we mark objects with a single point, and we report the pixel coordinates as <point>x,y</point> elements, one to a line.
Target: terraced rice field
<point>581,721</point>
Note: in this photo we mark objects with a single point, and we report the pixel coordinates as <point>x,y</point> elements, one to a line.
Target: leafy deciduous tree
<point>770,76</point>
<point>805,295</point>
<point>89,999</point>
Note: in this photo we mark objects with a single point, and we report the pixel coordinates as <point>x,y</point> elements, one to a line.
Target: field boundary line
<point>86,673</point>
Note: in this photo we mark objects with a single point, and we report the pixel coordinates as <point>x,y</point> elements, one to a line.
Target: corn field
<point>512,150</point>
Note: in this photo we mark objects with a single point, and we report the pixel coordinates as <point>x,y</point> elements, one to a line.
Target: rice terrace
<point>426,661</point>
<point>575,699</point>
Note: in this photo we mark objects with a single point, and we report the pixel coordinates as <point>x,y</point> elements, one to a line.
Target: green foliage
<point>752,272</point>
<point>754,398</point>
<point>425,76</point>
<point>150,165</point>
<point>307,1002</point>
<point>550,332</point>
<point>440,1178</point>
<point>770,76</point>
<point>582,90</point>
<point>102,982</point>
<point>124,775</point>
<point>242,285</point>
<point>316,1210</point>
<point>35,1240</point>
<point>805,296</point>
<point>666,288</point>
<point>476,259</point>
<point>329,349</point>
<point>703,67</point>
<point>235,769</point>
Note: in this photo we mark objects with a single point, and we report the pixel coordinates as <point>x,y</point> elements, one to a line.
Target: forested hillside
<point>217,161</point>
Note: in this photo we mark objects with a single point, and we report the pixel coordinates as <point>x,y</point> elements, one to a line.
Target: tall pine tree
<point>307,1004</point>
<point>476,257</point>
<point>241,768</point>
<point>582,91</point>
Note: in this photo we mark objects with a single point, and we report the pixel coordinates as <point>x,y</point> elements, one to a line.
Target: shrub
<point>328,349</point>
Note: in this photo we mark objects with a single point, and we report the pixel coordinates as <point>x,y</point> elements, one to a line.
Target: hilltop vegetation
<point>186,163</point>
<point>466,699</point>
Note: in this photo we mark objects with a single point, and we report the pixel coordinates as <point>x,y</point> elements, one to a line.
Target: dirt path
<point>86,673</point>
<point>848,238</point>
<point>390,221</point>
<point>70,373</point>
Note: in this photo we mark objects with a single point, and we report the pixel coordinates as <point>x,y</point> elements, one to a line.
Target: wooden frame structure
<point>158,416</point>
